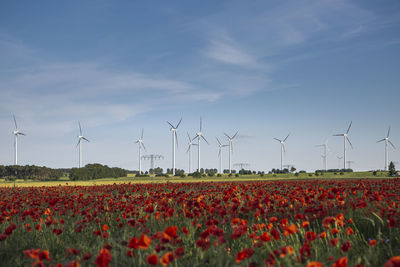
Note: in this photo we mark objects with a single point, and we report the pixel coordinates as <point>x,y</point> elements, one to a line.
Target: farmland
<point>257,223</point>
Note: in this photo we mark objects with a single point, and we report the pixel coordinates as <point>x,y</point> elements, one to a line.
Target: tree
<point>392,169</point>
<point>293,169</point>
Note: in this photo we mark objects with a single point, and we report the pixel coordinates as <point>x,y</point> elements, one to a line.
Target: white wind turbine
<point>282,148</point>
<point>345,137</point>
<point>199,135</point>
<point>325,156</point>
<point>140,145</point>
<point>189,151</point>
<point>220,146</point>
<point>230,139</point>
<point>16,132</point>
<point>386,139</point>
<point>174,138</point>
<point>80,137</point>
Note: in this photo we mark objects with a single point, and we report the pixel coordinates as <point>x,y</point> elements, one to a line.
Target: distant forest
<point>32,172</point>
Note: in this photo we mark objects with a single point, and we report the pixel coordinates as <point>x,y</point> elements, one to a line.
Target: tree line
<point>32,172</point>
<point>96,171</point>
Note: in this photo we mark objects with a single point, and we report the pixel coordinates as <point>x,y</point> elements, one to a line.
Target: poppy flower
<point>104,258</point>
<point>265,237</point>
<point>167,258</point>
<point>372,243</point>
<point>144,241</point>
<point>152,259</point>
<point>244,254</point>
<point>179,252</point>
<point>342,262</point>
<point>346,246</point>
<point>170,232</point>
<point>314,264</point>
<point>393,262</point>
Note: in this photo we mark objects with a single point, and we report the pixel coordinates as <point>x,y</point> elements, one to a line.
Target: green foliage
<point>392,169</point>
<point>32,172</point>
<point>96,171</point>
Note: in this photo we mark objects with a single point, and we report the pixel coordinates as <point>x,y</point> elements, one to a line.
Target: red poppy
<point>144,241</point>
<point>346,246</point>
<point>104,258</point>
<point>167,258</point>
<point>244,254</point>
<point>314,264</point>
<point>393,262</point>
<point>342,262</point>
<point>179,252</point>
<point>152,259</point>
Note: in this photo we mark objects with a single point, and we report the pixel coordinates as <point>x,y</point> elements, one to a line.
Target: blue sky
<point>263,68</point>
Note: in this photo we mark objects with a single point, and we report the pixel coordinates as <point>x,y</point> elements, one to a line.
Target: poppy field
<point>261,223</point>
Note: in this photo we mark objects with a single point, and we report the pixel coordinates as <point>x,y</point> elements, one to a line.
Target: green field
<point>152,179</point>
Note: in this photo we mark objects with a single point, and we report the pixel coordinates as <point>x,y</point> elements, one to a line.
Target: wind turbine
<point>230,149</point>
<point>386,139</point>
<point>189,150</point>
<point>16,132</point>
<point>174,138</point>
<point>140,145</point>
<point>80,137</point>
<point>282,148</point>
<point>199,135</point>
<point>325,156</point>
<point>345,137</point>
<point>219,154</point>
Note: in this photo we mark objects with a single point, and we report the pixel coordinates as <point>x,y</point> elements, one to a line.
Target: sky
<point>262,68</point>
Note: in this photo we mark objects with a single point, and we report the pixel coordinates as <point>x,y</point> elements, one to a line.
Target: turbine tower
<point>16,132</point>
<point>282,148</point>
<point>386,139</point>
<point>80,137</point>
<point>140,145</point>
<point>189,151</point>
<point>345,137</point>
<point>325,156</point>
<point>230,149</point>
<point>199,135</point>
<point>219,154</point>
<point>174,139</point>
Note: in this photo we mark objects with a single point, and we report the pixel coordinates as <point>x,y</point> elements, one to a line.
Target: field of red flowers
<point>282,223</point>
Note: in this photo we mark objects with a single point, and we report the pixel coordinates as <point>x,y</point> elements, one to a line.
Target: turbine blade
<point>205,139</point>
<point>284,150</point>
<point>235,135</point>
<point>142,134</point>
<point>195,137</point>
<point>218,141</point>
<point>85,139</point>
<point>178,123</point>
<point>219,153</point>
<point>338,135</point>
<point>21,133</point>
<point>78,142</point>
<point>227,136</point>
<point>170,124</point>
<point>380,140</point>
<point>286,137</point>
<point>15,122</point>
<point>143,145</point>
<point>187,151</point>
<point>232,147</point>
<point>348,140</point>
<point>348,129</point>
<point>201,124</point>
<point>388,132</point>
<point>278,140</point>
<point>80,128</point>
<point>188,136</point>
<point>391,144</point>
